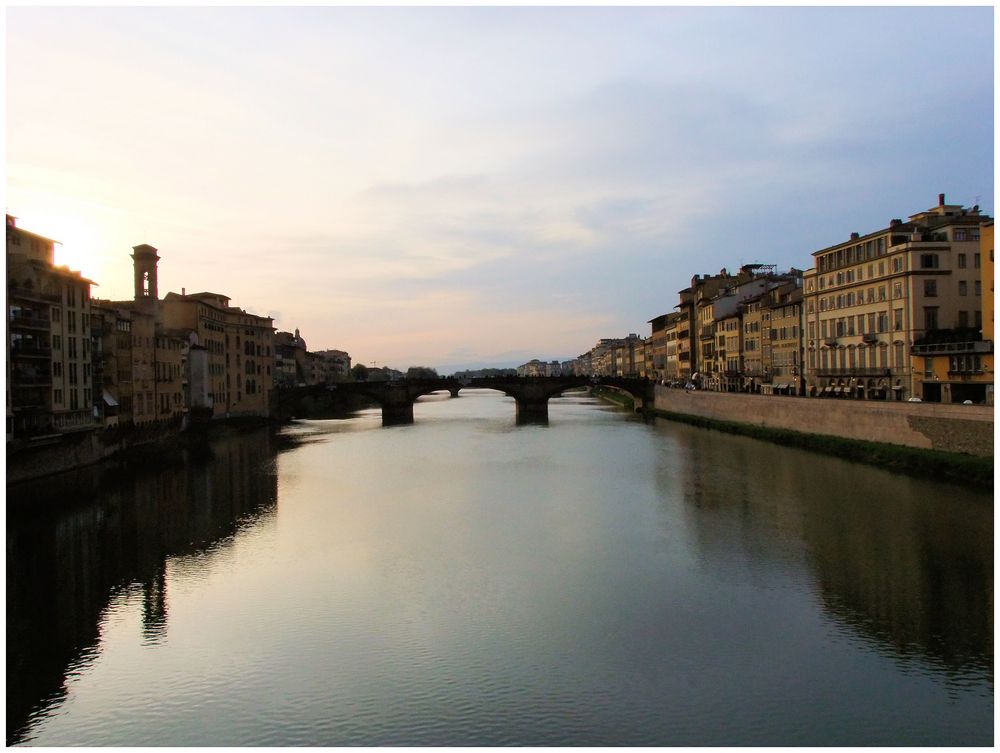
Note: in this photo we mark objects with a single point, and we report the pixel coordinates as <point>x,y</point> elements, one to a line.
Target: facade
<point>784,354</point>
<point>50,385</point>
<point>289,359</point>
<point>869,301</point>
<point>140,362</point>
<point>330,366</point>
<point>239,346</point>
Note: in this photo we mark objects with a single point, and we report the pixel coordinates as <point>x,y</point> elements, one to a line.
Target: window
<point>961,261</point>
<point>928,261</point>
<point>897,319</point>
<point>57,396</point>
<point>897,290</point>
<point>930,288</point>
<point>979,287</point>
<point>931,317</point>
<point>881,293</point>
<point>897,264</point>
<point>963,319</point>
<point>56,342</point>
<point>897,355</point>
<point>883,321</point>
<point>57,368</point>
<point>960,234</point>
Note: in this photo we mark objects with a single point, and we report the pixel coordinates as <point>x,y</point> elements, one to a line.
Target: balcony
<point>29,352</point>
<point>869,337</point>
<point>944,349</point>
<point>830,341</point>
<point>32,321</point>
<point>27,294</point>
<point>30,380</point>
<point>847,371</point>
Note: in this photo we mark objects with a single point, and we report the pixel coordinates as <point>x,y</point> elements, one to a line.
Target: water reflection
<point>889,560</point>
<point>77,542</point>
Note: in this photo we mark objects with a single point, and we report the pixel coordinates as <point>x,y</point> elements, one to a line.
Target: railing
<point>27,352</point>
<point>829,340</point>
<point>26,380</point>
<point>869,337</point>
<point>848,371</point>
<point>34,321</point>
<point>930,349</point>
<point>14,294</point>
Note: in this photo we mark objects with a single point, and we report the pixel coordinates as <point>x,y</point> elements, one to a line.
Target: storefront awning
<point>109,399</point>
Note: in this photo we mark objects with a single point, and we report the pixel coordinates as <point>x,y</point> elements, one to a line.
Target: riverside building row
<point>902,312</point>
<point>77,363</point>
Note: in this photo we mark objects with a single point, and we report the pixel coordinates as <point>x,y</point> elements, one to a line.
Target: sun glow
<point>78,242</point>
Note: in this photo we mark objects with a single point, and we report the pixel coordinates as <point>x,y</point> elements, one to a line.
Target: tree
<point>360,372</point>
<point>421,372</point>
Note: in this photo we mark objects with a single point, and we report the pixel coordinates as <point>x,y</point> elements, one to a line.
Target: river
<point>466,581</point>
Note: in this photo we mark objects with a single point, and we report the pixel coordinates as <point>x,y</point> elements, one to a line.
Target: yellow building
<point>956,365</point>
<point>871,299</point>
<point>785,340</point>
<point>239,346</point>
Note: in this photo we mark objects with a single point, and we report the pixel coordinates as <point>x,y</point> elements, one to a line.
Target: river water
<point>466,581</point>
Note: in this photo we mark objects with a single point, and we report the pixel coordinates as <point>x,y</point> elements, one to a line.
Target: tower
<point>144,259</point>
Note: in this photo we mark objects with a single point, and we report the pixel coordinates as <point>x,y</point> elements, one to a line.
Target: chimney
<point>855,236</point>
<point>183,292</point>
<point>940,199</point>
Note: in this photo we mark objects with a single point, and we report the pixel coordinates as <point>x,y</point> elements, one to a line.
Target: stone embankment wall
<point>952,428</point>
<point>78,450</point>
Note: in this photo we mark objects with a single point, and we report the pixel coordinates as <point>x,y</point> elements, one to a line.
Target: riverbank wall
<point>965,429</point>
<point>42,457</point>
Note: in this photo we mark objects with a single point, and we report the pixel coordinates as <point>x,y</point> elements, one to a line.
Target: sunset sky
<point>469,186</point>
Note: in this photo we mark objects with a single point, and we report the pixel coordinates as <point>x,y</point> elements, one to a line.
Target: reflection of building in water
<point>154,607</point>
<point>63,567</point>
<point>913,574</point>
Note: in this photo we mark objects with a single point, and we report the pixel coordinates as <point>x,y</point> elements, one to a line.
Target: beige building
<point>871,299</point>
<point>784,352</point>
<point>140,361</point>
<point>239,349</point>
<point>50,387</point>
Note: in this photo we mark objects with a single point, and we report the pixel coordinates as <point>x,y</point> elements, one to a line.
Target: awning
<point>108,399</point>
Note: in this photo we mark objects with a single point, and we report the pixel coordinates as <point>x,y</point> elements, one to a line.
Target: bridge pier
<point>531,411</point>
<point>397,414</point>
<point>454,391</point>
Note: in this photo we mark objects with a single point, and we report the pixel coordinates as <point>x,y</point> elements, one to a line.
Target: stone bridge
<point>531,394</point>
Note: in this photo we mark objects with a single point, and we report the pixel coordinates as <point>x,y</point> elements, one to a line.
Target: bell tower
<point>144,260</point>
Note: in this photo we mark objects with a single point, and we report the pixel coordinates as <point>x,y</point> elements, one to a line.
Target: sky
<point>466,187</point>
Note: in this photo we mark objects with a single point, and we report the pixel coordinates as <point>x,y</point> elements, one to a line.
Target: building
<point>140,361</point>
<point>239,350</point>
<point>289,359</point>
<point>50,386</point>
<point>872,298</point>
<point>327,366</point>
<point>784,352</point>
